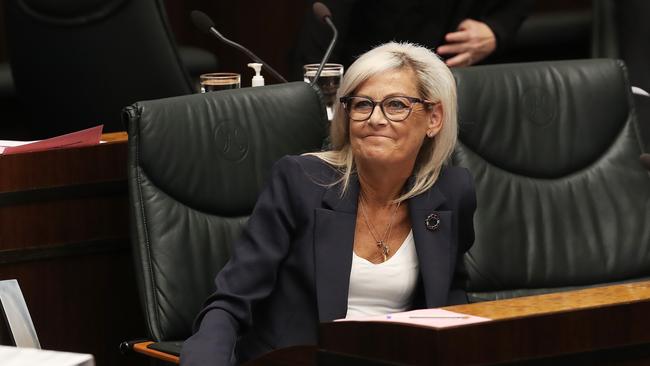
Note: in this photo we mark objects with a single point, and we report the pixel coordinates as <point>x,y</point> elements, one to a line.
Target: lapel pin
<point>432,222</point>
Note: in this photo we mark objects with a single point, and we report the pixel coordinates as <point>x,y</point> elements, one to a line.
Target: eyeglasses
<point>396,108</point>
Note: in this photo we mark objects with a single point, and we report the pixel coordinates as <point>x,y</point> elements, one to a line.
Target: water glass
<point>219,81</point>
<point>328,82</point>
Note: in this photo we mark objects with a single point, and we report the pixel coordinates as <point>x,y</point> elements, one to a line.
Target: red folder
<point>87,137</point>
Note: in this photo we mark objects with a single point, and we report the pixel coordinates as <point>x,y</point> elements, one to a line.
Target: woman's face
<point>379,140</point>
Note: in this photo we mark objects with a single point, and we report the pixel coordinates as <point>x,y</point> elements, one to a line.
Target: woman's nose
<point>377,117</point>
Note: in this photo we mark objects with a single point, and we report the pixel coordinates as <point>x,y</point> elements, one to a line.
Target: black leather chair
<point>563,201</point>
<point>77,63</point>
<point>196,166</point>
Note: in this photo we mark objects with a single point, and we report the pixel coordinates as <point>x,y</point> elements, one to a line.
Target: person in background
<point>464,32</point>
<point>376,225</point>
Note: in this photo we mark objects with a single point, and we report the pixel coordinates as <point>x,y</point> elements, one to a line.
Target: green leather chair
<point>563,201</point>
<point>196,166</point>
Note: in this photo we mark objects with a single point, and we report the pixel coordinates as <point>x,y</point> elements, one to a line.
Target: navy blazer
<point>290,269</point>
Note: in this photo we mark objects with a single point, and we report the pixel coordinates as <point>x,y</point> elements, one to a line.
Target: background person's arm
<point>492,32</point>
<point>470,43</point>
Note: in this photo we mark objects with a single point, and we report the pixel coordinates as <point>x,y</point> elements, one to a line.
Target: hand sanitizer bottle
<point>258,80</point>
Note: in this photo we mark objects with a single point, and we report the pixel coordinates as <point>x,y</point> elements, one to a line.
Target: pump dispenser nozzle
<point>258,80</point>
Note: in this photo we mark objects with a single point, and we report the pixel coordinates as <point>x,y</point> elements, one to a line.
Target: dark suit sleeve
<point>467,207</point>
<point>250,275</point>
<point>504,17</point>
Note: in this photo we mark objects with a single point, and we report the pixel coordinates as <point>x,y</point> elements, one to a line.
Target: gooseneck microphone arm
<point>323,14</point>
<point>204,23</point>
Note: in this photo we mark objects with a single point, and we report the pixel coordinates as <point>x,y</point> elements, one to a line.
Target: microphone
<point>645,160</point>
<point>323,14</point>
<point>203,22</point>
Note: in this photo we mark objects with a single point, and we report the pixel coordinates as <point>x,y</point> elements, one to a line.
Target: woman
<point>376,225</point>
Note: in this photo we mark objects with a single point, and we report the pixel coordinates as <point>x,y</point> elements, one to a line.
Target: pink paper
<point>87,137</point>
<point>435,318</point>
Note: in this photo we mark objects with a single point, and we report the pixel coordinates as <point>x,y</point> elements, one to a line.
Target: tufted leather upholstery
<point>196,166</point>
<point>562,199</point>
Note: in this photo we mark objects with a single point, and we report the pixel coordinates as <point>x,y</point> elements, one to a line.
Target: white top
<point>383,288</point>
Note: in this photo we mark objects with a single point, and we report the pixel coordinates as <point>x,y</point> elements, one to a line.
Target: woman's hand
<point>472,42</point>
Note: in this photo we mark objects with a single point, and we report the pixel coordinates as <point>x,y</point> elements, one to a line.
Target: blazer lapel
<point>433,246</point>
<point>333,246</point>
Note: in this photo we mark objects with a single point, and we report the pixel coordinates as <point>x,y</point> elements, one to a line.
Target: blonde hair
<point>435,83</point>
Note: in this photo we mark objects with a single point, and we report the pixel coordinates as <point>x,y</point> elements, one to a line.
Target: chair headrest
<point>533,119</point>
<point>213,151</point>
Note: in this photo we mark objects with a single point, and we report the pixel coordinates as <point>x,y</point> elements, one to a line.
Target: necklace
<point>382,244</point>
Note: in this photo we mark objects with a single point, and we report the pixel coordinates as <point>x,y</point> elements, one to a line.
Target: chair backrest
<point>562,198</point>
<point>16,327</point>
<point>196,166</point>
<point>77,63</point>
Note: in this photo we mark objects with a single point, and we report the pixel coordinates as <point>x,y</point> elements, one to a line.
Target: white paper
<point>13,356</point>
<point>434,318</point>
<point>10,143</point>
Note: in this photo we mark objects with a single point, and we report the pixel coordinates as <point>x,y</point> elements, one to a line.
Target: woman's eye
<point>362,104</point>
<point>396,104</point>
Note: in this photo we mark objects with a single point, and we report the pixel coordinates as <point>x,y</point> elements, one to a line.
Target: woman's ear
<point>435,120</point>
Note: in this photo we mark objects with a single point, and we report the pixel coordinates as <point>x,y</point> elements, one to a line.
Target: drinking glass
<point>219,81</point>
<point>328,82</point>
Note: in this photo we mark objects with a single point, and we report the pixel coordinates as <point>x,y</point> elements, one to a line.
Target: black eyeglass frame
<point>414,100</point>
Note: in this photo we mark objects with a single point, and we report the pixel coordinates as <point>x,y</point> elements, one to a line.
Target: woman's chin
<point>378,155</point>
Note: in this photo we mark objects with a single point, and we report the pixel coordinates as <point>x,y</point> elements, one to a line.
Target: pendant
<point>384,249</point>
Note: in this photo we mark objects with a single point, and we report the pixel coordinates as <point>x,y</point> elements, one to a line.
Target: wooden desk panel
<point>64,236</point>
<point>65,220</point>
<point>65,167</point>
<point>599,326</point>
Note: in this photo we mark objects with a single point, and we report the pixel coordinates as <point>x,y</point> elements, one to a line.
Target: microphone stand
<point>248,53</point>
<point>329,22</point>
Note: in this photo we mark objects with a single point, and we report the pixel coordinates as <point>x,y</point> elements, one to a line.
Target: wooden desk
<point>606,325</point>
<point>64,237</point>
<point>599,326</point>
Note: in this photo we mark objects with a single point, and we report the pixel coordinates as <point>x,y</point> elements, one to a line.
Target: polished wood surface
<point>64,237</point>
<point>142,348</point>
<point>599,326</point>
<point>115,137</point>
<point>558,302</point>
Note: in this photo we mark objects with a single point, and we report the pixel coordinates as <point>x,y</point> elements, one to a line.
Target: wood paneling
<point>64,236</point>
<point>268,28</point>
